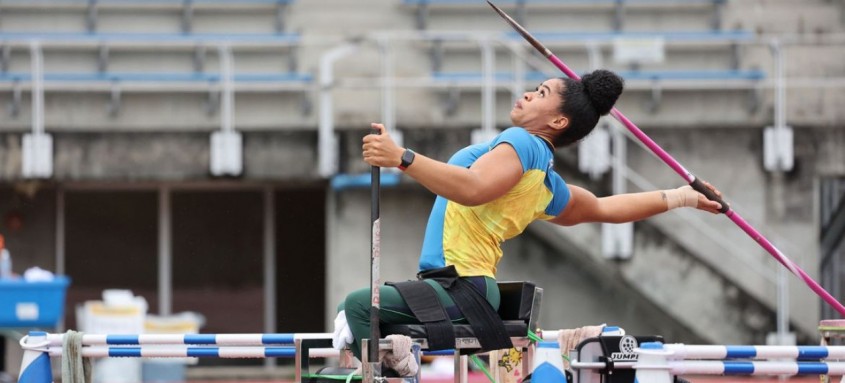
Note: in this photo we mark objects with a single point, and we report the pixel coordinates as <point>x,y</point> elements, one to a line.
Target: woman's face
<point>538,109</point>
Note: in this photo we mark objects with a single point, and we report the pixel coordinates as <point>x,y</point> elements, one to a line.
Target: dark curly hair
<point>585,101</point>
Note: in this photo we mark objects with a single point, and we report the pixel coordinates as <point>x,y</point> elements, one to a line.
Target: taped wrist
<point>684,196</point>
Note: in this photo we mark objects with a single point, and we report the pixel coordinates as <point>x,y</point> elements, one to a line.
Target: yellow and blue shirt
<point>470,237</point>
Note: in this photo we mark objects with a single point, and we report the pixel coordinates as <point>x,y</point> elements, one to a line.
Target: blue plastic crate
<point>32,304</point>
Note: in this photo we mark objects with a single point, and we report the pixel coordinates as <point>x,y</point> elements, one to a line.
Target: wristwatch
<point>407,159</point>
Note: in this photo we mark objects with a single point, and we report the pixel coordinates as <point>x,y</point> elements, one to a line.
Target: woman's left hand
<point>706,204</point>
<point>380,150</point>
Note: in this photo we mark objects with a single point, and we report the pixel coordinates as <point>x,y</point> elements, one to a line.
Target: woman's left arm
<point>584,206</point>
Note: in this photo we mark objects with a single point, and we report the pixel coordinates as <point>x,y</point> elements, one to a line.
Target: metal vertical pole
<point>37,146</point>
<point>269,266</point>
<point>780,85</point>
<point>91,16</point>
<point>60,231</point>
<point>783,305</point>
<point>165,267</point>
<point>60,242</point>
<point>373,367</point>
<point>37,89</point>
<point>388,93</point>
<point>228,99</point>
<point>780,125</point>
<point>326,141</point>
<point>488,90</point>
<point>518,85</point>
<point>388,96</point>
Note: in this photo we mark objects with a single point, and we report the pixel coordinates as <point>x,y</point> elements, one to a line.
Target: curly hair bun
<point>603,88</point>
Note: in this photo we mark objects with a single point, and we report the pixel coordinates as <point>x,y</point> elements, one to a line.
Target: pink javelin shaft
<point>678,168</point>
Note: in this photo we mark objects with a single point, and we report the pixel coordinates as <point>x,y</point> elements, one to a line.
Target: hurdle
<point>659,363</point>
<point>40,346</point>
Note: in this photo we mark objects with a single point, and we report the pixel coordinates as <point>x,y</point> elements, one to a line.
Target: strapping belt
<point>485,322</point>
<point>422,300</point>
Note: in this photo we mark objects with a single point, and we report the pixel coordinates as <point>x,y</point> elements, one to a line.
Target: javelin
<point>689,177</point>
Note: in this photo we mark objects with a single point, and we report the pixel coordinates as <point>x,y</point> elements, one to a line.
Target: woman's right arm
<point>490,177</point>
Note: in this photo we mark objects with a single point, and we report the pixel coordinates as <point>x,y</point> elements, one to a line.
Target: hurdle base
<point>830,329</point>
<point>36,366</point>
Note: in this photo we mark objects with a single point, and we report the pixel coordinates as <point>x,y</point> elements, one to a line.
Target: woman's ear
<point>559,123</point>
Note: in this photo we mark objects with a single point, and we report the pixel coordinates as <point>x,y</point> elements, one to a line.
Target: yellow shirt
<point>470,237</point>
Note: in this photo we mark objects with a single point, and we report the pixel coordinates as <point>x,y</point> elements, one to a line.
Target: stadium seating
<point>698,53</point>
<point>618,8</point>
<point>281,47</point>
<point>190,12</point>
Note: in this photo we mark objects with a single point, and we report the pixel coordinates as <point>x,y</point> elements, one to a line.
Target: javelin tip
<point>522,31</point>
<point>500,12</point>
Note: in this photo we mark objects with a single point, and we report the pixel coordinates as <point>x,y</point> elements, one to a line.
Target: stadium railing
<point>685,42</point>
<point>185,7</point>
<point>158,78</point>
<point>422,7</point>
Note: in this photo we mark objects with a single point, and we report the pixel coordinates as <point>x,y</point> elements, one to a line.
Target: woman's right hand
<point>380,149</point>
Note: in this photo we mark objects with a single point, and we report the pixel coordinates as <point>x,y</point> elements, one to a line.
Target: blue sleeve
<point>522,142</point>
<point>560,194</point>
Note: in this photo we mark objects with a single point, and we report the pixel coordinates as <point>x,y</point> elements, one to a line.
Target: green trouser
<point>394,310</point>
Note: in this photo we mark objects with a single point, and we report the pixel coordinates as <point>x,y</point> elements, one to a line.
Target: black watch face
<point>407,158</point>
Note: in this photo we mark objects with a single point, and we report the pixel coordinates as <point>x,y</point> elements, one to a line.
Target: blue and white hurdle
<point>659,363</point>
<point>40,346</point>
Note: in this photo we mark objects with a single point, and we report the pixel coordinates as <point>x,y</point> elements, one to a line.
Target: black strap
<point>422,300</point>
<point>485,322</point>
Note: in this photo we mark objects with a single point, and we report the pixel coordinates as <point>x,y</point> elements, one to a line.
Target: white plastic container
<point>5,264</point>
<point>120,312</point>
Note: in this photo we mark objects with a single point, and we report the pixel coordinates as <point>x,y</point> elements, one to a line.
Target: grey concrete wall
<point>783,16</point>
<point>782,207</point>
<point>165,156</point>
<point>579,291</point>
<point>404,213</point>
